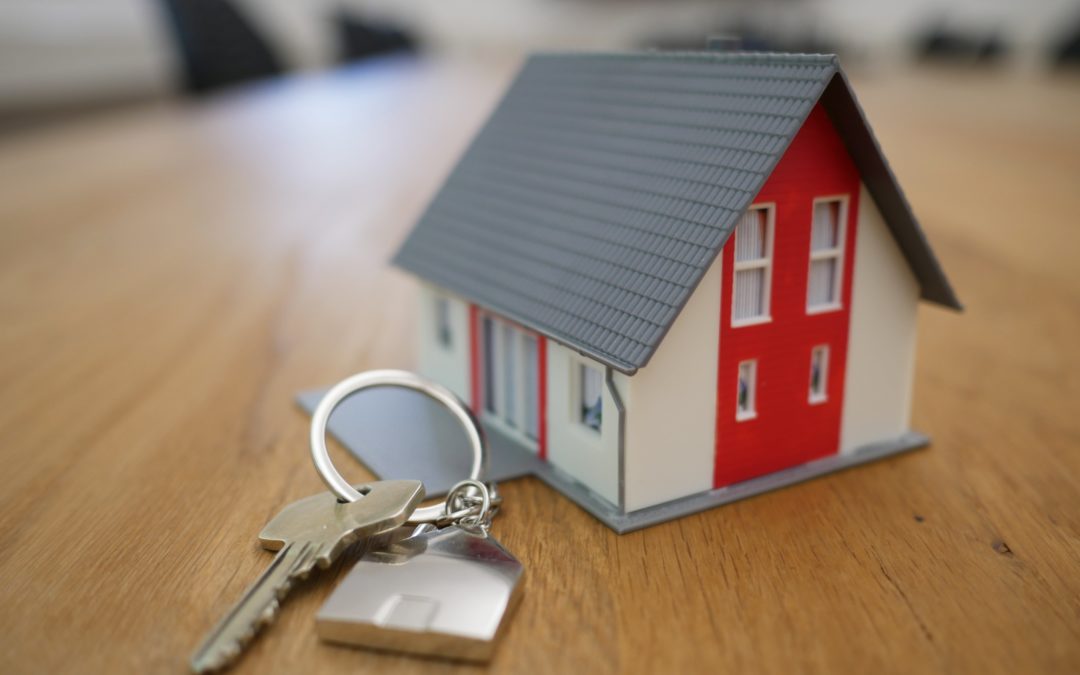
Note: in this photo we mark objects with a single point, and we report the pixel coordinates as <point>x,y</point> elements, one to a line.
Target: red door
<point>785,307</point>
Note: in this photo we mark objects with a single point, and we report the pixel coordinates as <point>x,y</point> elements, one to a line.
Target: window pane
<point>746,386</point>
<point>487,332</point>
<point>819,373</point>
<point>591,399</point>
<point>509,366</point>
<point>825,233</point>
<point>442,321</point>
<point>749,293</point>
<point>532,386</point>
<point>750,236</point>
<point>822,290</point>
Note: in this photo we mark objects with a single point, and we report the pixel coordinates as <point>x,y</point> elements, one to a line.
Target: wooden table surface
<point>170,276</point>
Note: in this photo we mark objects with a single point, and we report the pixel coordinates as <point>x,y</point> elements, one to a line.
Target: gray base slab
<point>402,434</point>
<point>635,520</point>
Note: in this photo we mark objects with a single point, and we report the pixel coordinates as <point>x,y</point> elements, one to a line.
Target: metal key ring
<point>391,378</point>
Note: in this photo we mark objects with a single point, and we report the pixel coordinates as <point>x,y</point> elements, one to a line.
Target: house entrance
<point>510,378</point>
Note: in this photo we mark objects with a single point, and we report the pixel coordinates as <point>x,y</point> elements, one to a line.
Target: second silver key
<point>311,531</point>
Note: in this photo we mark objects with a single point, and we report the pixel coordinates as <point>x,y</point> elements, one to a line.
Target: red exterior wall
<point>788,430</point>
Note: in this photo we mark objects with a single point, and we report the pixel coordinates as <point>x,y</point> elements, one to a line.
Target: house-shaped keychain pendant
<point>438,592</point>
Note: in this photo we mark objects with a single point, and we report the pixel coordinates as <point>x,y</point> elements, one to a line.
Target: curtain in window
<point>750,236</point>
<point>826,227</point>
<point>822,282</point>
<point>751,264</point>
<point>749,293</point>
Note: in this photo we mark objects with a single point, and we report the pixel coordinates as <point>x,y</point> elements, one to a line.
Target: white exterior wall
<point>589,457</point>
<point>881,342</point>
<point>449,366</point>
<point>671,406</point>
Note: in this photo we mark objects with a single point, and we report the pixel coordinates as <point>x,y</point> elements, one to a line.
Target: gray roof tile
<point>603,186</point>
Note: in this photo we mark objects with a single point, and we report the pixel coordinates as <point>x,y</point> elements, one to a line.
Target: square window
<point>590,391</point>
<point>753,266</point>
<point>819,374</point>
<point>746,391</point>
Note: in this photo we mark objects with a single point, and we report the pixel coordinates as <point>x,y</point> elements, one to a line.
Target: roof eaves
<point>851,122</point>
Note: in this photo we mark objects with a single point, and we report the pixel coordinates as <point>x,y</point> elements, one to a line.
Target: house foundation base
<point>392,432</point>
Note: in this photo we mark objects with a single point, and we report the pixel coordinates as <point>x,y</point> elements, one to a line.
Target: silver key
<point>311,531</point>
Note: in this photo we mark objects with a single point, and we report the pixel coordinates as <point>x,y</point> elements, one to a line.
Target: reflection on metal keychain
<point>444,588</point>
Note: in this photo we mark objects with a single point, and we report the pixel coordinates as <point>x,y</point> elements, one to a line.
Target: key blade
<point>255,609</point>
<point>312,531</point>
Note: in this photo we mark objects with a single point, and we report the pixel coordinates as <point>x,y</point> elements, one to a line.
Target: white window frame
<point>577,401</point>
<point>500,418</point>
<point>823,395</point>
<point>837,253</point>
<point>766,262</point>
<point>751,412</point>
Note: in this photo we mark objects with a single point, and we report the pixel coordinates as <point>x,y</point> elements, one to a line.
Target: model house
<point>677,277</point>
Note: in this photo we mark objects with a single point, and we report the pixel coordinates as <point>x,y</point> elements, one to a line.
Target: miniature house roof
<point>595,198</point>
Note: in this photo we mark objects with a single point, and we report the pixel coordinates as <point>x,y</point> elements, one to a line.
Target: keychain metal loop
<point>393,378</point>
<point>469,515</point>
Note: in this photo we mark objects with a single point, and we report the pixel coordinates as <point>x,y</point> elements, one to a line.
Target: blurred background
<point>60,58</point>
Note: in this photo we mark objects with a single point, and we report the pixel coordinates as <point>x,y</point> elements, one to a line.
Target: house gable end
<point>850,121</point>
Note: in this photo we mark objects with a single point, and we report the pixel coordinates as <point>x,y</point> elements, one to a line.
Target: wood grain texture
<point>170,276</point>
